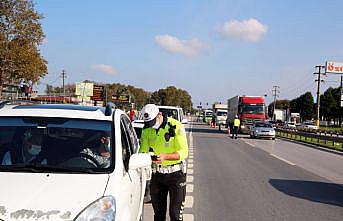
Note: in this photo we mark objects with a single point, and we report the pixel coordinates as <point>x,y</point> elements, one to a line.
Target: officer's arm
<point>181,143</point>
<point>144,142</point>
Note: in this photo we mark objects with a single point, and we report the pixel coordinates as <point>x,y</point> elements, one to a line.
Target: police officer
<point>167,138</point>
<point>236,123</point>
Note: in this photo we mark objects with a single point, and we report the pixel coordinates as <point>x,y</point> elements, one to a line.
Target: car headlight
<point>256,131</point>
<point>103,209</point>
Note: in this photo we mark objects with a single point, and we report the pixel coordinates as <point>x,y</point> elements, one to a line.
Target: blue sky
<point>213,49</point>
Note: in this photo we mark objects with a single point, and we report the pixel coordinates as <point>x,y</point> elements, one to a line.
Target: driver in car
<point>101,153</point>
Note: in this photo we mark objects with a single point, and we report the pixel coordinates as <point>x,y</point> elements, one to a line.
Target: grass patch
<point>335,129</point>
<point>322,143</point>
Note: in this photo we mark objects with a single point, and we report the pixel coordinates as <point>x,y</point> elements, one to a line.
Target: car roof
<point>169,107</point>
<point>55,110</point>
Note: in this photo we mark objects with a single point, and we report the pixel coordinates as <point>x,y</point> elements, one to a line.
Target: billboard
<point>98,93</point>
<point>84,89</point>
<point>333,67</point>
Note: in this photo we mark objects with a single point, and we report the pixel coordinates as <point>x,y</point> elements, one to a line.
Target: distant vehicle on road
<point>220,113</point>
<point>262,130</point>
<point>207,116</point>
<point>249,109</point>
<point>70,162</point>
<point>308,126</point>
<point>290,125</point>
<point>174,112</point>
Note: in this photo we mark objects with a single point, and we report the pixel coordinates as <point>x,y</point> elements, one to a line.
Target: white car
<point>70,162</point>
<point>308,126</point>
<point>262,130</point>
<point>174,112</point>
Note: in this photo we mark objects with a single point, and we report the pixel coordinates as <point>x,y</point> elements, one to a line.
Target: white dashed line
<point>189,202</point>
<point>190,179</point>
<point>280,158</point>
<point>190,160</point>
<point>249,144</point>
<point>190,165</point>
<point>190,188</point>
<point>188,217</point>
<point>190,171</point>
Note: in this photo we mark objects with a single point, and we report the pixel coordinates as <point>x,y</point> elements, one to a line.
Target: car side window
<point>126,150</point>
<point>131,135</point>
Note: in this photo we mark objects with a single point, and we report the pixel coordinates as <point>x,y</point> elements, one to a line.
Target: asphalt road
<point>247,179</point>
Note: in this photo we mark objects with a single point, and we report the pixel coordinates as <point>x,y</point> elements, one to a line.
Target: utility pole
<point>319,73</point>
<point>63,76</point>
<point>275,94</point>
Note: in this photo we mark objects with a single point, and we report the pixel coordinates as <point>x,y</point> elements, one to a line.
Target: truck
<point>280,115</point>
<point>207,116</point>
<point>249,109</point>
<point>220,113</point>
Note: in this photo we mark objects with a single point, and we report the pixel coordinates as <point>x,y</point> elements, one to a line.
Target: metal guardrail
<point>336,139</point>
<point>319,131</point>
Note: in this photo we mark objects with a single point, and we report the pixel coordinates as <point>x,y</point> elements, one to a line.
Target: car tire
<point>273,138</point>
<point>220,128</point>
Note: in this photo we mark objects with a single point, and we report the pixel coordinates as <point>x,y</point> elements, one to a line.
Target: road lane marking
<point>280,158</point>
<point>190,165</point>
<point>190,188</point>
<point>253,145</point>
<point>190,161</point>
<point>189,179</point>
<point>188,217</point>
<point>190,171</point>
<point>189,202</point>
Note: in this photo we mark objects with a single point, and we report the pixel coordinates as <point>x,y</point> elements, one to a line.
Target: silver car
<point>262,130</point>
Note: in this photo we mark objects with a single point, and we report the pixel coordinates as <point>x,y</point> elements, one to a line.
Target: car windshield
<point>208,114</point>
<point>263,125</point>
<point>55,145</point>
<point>170,113</point>
<point>252,109</point>
<point>221,113</point>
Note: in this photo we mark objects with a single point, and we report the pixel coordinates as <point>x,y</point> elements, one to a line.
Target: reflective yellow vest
<point>236,122</point>
<point>159,144</point>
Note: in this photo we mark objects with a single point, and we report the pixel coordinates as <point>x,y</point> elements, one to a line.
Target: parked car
<point>70,162</point>
<point>262,130</point>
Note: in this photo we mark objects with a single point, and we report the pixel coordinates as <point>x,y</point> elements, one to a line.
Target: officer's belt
<point>167,169</point>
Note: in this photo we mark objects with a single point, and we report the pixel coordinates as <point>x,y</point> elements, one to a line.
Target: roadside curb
<point>312,146</point>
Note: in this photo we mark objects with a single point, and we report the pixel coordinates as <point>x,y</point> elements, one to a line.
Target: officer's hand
<point>160,158</point>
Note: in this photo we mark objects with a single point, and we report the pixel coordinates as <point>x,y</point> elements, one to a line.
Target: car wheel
<point>220,127</point>
<point>273,138</point>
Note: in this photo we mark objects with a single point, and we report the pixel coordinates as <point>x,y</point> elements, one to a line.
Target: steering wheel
<point>91,159</point>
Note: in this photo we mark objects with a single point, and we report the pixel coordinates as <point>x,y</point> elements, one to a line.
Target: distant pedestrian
<point>132,114</point>
<point>236,124</point>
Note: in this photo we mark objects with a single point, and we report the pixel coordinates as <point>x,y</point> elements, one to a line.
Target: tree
<point>280,104</point>
<point>20,35</point>
<point>303,105</point>
<point>330,104</point>
<point>172,96</point>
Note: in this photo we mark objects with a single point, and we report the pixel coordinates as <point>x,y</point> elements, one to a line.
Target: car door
<point>135,176</point>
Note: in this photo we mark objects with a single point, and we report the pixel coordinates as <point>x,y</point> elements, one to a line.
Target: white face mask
<point>35,149</point>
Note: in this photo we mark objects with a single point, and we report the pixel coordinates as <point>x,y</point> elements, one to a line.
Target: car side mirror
<point>184,121</point>
<point>140,161</point>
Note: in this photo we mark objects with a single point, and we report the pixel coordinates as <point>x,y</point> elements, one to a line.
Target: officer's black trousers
<point>235,132</point>
<point>175,185</point>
